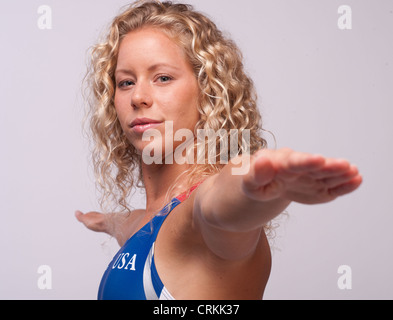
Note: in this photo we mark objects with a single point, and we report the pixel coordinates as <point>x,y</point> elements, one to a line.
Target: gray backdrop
<point>322,89</point>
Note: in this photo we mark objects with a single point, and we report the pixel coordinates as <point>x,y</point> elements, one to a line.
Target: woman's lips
<point>140,125</point>
<point>140,128</point>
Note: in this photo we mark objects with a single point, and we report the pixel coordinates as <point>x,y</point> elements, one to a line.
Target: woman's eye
<point>125,83</point>
<point>164,78</point>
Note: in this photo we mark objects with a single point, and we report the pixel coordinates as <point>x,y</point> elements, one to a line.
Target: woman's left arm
<point>231,210</point>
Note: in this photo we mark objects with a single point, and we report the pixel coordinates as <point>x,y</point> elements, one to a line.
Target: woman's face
<point>154,83</point>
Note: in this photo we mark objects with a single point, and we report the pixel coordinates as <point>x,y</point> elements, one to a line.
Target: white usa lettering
<point>124,261</point>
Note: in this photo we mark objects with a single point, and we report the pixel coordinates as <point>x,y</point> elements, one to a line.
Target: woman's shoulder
<point>128,224</point>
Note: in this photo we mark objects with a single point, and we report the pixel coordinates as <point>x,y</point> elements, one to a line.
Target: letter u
<point>117,261</point>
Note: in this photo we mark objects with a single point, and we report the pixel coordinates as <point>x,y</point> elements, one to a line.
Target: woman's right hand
<point>117,225</point>
<point>94,221</point>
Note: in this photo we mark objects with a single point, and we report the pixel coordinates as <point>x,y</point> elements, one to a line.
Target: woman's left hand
<point>299,177</point>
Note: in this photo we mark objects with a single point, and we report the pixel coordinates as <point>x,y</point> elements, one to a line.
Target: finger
<point>335,181</point>
<point>331,168</point>
<point>83,218</point>
<point>94,221</point>
<point>79,215</point>
<point>308,185</point>
<point>299,162</point>
<point>346,188</point>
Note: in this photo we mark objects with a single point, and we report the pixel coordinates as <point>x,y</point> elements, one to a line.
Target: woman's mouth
<point>140,125</point>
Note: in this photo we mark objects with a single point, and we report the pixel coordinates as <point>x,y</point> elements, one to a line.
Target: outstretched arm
<point>237,207</point>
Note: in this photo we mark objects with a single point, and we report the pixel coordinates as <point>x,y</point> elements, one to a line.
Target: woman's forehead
<point>151,47</point>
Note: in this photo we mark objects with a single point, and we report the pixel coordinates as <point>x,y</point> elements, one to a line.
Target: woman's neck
<point>158,179</point>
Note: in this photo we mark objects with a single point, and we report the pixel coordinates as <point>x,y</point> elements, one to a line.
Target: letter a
<point>45,20</point>
<point>131,263</point>
<point>153,151</point>
<point>44,281</point>
<point>345,20</point>
<point>345,281</point>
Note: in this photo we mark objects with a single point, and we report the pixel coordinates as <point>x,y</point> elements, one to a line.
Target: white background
<point>321,89</point>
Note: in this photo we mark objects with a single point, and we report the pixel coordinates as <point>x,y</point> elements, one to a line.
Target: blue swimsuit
<point>132,274</point>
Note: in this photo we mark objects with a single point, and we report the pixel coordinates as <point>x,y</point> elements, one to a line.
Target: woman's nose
<point>141,96</point>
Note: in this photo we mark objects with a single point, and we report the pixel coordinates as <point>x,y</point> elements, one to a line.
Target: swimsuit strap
<point>158,220</point>
<point>173,203</point>
<point>186,194</point>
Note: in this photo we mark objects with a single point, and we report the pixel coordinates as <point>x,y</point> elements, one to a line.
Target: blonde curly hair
<point>227,95</point>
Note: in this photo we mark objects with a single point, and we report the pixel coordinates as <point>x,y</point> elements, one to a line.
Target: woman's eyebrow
<point>159,65</point>
<point>150,69</point>
<point>125,71</point>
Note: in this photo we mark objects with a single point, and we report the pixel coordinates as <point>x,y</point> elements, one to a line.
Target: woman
<point>164,69</point>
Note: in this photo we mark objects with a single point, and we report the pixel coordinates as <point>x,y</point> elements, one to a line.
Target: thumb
<point>79,215</point>
<point>261,183</point>
<point>261,173</point>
